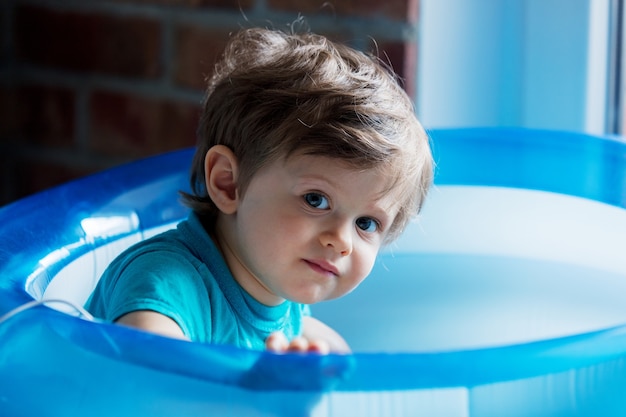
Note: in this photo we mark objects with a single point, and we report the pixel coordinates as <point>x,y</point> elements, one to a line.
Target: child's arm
<point>316,337</point>
<point>154,322</point>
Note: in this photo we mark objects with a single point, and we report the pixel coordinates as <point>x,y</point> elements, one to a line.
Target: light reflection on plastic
<point>53,257</point>
<point>108,226</point>
<point>38,280</point>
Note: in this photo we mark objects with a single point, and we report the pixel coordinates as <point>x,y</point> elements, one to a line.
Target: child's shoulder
<point>164,245</point>
<point>185,246</point>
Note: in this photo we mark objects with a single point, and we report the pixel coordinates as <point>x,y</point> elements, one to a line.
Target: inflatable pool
<point>506,298</point>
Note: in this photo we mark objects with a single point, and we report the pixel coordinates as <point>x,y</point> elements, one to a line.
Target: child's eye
<point>367,224</point>
<point>317,200</point>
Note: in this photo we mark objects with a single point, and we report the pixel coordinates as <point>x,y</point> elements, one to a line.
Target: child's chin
<point>306,298</point>
<point>311,298</point>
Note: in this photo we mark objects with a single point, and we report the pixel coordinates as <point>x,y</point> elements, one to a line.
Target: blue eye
<point>317,200</point>
<point>367,224</point>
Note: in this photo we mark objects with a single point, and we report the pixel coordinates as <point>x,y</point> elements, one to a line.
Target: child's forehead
<point>304,162</point>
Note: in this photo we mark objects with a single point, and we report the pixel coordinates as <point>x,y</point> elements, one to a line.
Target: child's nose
<point>338,236</point>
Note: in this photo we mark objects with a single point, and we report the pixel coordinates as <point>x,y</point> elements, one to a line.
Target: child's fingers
<point>302,344</point>
<point>277,342</point>
<point>298,344</point>
<point>319,346</point>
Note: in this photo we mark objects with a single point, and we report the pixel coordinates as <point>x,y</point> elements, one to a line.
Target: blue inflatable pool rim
<point>33,228</point>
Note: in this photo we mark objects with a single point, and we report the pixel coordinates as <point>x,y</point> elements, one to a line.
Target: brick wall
<point>89,84</point>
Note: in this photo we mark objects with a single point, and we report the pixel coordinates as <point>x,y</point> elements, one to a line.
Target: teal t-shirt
<point>182,274</point>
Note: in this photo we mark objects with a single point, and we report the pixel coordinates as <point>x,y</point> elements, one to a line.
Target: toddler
<point>310,158</point>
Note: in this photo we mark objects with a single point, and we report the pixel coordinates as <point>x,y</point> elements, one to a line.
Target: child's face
<point>307,229</point>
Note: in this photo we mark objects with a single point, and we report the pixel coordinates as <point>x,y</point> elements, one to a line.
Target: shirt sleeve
<point>165,283</point>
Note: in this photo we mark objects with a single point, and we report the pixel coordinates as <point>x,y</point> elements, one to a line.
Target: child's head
<point>275,95</point>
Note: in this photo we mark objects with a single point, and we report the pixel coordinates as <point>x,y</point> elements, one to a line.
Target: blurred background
<point>90,84</point>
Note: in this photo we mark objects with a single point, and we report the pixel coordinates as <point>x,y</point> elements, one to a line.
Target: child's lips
<point>322,266</point>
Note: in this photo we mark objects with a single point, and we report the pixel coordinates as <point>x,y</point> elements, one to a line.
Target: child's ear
<point>220,171</point>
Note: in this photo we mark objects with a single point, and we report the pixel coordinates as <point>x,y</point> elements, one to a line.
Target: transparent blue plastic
<point>505,298</point>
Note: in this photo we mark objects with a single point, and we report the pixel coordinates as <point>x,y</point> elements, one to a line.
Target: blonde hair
<point>274,94</point>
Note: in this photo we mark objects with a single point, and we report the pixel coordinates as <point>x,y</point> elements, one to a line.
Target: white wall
<point>513,63</point>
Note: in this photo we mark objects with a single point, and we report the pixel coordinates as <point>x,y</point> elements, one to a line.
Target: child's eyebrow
<point>386,216</point>
<point>304,178</point>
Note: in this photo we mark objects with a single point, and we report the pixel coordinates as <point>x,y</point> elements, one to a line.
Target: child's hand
<point>277,342</point>
<point>311,370</point>
<point>316,337</point>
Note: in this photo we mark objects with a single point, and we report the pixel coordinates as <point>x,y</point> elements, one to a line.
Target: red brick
<point>223,4</point>
<point>38,114</point>
<point>138,126</point>
<point>122,46</point>
<point>9,124</point>
<point>33,175</point>
<point>339,35</point>
<point>402,57</point>
<point>197,50</point>
<point>402,10</point>
<point>7,178</point>
<point>3,35</point>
